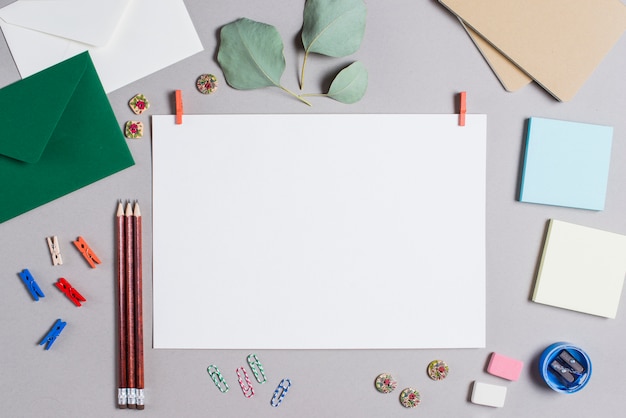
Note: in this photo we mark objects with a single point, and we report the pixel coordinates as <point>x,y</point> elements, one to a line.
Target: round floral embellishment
<point>206,83</point>
<point>139,104</point>
<point>385,383</point>
<point>438,370</point>
<point>409,398</point>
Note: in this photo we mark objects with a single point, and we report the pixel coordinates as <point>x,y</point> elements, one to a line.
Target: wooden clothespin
<point>87,252</point>
<point>55,250</point>
<point>462,108</point>
<point>31,285</point>
<point>73,295</point>
<point>179,107</point>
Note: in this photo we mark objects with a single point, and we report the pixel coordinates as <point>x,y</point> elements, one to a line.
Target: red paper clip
<point>246,388</point>
<point>73,295</point>
<point>89,255</point>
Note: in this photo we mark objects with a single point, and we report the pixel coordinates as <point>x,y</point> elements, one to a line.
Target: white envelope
<point>127,39</point>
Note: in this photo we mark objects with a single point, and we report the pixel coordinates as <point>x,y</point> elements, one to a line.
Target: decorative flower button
<point>385,383</point>
<point>133,129</point>
<point>438,370</point>
<point>139,104</point>
<point>409,398</point>
<point>206,83</point>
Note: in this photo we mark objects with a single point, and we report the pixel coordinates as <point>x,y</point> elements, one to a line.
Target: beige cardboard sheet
<point>559,43</point>
<point>509,74</point>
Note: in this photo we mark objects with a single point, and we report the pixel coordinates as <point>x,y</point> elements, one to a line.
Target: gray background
<point>418,58</point>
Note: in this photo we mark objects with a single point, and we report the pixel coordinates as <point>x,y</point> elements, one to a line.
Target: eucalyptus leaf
<point>333,27</point>
<point>350,84</point>
<point>251,54</point>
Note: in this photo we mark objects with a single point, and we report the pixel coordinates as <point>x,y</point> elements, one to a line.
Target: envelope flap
<point>32,107</point>
<point>92,22</point>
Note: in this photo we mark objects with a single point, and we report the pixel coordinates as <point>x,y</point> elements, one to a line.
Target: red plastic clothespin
<point>73,295</point>
<point>462,108</point>
<point>87,252</point>
<point>179,107</point>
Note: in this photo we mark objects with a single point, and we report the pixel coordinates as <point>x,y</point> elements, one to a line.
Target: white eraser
<point>489,395</point>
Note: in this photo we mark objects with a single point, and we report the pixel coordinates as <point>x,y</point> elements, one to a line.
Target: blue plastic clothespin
<point>53,334</point>
<point>31,284</point>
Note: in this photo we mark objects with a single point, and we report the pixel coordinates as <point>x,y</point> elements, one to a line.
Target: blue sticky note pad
<point>566,164</point>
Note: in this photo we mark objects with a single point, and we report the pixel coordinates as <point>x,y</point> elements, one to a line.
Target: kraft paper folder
<point>319,231</point>
<point>558,43</point>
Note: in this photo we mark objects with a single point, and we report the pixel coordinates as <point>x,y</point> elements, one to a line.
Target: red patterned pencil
<point>138,306</point>
<point>130,307</point>
<point>122,399</point>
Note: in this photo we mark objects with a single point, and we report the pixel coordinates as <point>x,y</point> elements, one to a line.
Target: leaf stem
<point>306,54</point>
<point>314,95</point>
<point>295,95</point>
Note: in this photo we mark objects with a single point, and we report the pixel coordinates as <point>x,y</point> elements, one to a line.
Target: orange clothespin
<point>89,255</point>
<point>462,108</point>
<point>73,295</point>
<point>179,107</point>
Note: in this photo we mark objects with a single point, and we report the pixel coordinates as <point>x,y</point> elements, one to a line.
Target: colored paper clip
<point>64,286</point>
<point>280,392</point>
<point>217,377</point>
<point>53,334</point>
<point>462,108</point>
<point>55,250</point>
<point>257,368</point>
<point>246,388</point>
<point>179,107</point>
<point>31,285</point>
<point>87,252</point>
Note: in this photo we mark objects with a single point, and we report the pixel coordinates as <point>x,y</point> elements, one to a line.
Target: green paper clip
<point>257,368</point>
<point>217,377</point>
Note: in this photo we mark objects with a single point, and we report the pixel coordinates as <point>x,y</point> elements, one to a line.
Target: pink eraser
<point>504,367</point>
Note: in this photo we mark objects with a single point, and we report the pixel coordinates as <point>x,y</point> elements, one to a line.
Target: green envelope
<point>58,133</point>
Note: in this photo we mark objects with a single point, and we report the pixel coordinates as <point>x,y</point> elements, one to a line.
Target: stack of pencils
<point>130,307</point>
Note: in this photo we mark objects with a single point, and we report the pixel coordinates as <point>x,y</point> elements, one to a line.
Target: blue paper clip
<point>31,284</point>
<point>280,392</point>
<point>257,368</point>
<point>217,377</point>
<point>53,334</point>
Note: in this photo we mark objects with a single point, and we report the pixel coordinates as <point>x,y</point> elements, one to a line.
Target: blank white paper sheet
<point>319,231</point>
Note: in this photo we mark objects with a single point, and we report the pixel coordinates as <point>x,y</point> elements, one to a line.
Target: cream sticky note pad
<point>581,269</point>
<point>566,163</point>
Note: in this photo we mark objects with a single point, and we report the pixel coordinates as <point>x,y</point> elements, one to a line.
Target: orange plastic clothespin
<point>87,252</point>
<point>55,250</point>
<point>462,108</point>
<point>179,107</point>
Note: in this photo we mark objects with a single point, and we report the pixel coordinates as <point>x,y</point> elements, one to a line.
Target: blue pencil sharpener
<point>564,367</point>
